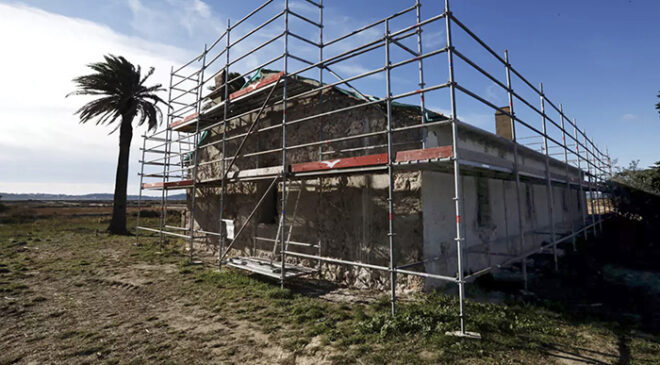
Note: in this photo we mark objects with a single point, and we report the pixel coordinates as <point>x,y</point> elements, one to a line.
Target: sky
<point>599,59</point>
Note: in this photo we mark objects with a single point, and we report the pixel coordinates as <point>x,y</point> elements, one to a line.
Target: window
<point>483,202</point>
<point>268,212</point>
<point>529,194</point>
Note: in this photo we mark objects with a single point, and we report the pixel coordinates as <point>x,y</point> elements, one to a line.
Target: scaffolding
<point>171,157</point>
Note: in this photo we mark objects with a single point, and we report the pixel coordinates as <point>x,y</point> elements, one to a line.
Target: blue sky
<point>598,58</point>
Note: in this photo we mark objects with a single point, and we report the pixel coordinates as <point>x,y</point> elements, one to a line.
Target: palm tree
<point>122,95</point>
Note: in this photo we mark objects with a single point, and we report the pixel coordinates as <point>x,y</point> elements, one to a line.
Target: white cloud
<point>168,18</point>
<point>493,93</point>
<point>43,148</point>
<point>346,70</point>
<point>628,117</point>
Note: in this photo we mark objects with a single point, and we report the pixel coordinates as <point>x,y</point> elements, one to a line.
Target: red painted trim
<point>371,160</point>
<point>267,81</point>
<point>184,120</point>
<point>340,163</point>
<point>424,154</point>
<point>168,184</point>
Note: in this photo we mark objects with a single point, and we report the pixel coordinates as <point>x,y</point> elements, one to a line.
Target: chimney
<point>503,123</point>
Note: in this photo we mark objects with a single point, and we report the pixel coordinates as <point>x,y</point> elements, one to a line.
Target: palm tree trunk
<point>118,222</point>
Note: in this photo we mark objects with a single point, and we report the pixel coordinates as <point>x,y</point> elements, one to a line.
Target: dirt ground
<point>64,306</point>
<point>72,294</point>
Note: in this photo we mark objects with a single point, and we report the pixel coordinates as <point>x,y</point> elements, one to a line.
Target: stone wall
<point>348,214</point>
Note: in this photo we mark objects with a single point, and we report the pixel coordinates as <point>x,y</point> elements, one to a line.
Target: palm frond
<point>123,95</point>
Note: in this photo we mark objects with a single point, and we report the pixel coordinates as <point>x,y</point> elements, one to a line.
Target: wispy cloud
<point>628,117</point>
<point>493,93</point>
<point>171,17</point>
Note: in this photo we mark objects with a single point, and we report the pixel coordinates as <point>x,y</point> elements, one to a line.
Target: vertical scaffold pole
<point>583,199</point>
<point>163,196</point>
<point>598,178</point>
<point>284,101</point>
<point>603,177</point>
<point>603,180</point>
<point>458,188</point>
<point>591,193</point>
<point>420,64</point>
<point>193,193</point>
<point>139,205</point>
<point>548,182</point>
<point>516,168</point>
<point>610,199</point>
<point>164,191</point>
<point>595,177</point>
<point>568,180</point>
<point>390,172</point>
<point>223,183</point>
<point>320,180</point>
<point>595,157</point>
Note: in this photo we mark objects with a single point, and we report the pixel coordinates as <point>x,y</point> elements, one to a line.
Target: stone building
<point>337,200</point>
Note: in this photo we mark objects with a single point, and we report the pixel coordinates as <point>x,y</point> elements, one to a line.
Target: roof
<point>251,95</point>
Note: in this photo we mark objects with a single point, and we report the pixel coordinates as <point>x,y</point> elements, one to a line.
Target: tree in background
<point>121,96</point>
<point>657,106</point>
<point>643,179</point>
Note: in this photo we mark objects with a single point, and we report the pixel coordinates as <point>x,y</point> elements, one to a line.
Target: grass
<point>50,265</point>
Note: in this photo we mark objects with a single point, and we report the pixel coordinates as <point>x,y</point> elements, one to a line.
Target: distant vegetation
<point>643,179</point>
<point>86,197</point>
<point>636,196</point>
<point>2,206</point>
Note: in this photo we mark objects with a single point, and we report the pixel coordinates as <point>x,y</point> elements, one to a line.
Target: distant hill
<point>95,196</point>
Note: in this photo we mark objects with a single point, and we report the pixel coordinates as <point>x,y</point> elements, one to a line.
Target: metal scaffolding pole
<point>568,181</point>
<point>320,180</point>
<point>139,205</point>
<point>420,63</point>
<point>193,192</point>
<point>164,192</point>
<point>599,186</point>
<point>516,167</point>
<point>590,181</point>
<point>284,107</point>
<point>583,199</point>
<point>223,168</point>
<point>609,184</point>
<point>548,183</point>
<point>168,146</point>
<point>390,167</point>
<point>458,189</point>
